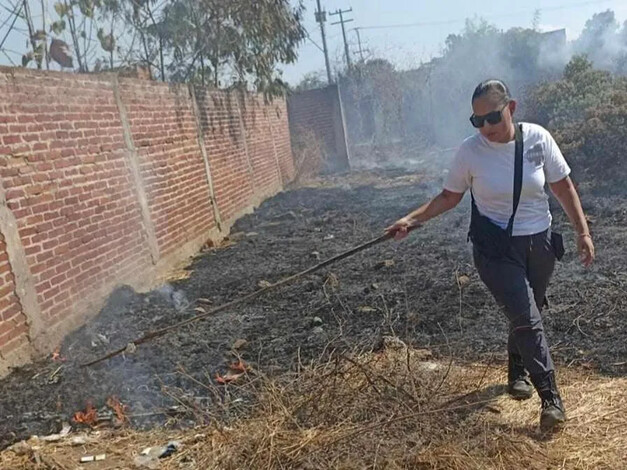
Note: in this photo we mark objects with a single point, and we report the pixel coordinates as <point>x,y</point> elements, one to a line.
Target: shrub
<point>587,113</point>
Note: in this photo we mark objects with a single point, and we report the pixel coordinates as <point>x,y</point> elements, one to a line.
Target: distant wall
<point>107,181</point>
<point>321,111</point>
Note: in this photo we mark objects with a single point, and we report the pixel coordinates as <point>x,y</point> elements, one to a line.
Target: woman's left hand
<point>585,248</point>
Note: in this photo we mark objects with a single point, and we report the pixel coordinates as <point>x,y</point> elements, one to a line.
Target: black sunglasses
<point>492,118</point>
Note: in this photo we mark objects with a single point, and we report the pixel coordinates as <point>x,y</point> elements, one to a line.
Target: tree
<point>374,98</point>
<point>586,111</point>
<point>520,49</point>
<point>600,40</point>
<point>597,31</point>
<point>312,81</point>
<point>147,19</point>
<point>237,43</point>
<point>79,26</point>
<point>37,39</point>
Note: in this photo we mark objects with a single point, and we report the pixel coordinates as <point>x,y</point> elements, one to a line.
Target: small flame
<point>89,416</point>
<point>56,355</point>
<point>239,366</point>
<point>236,370</point>
<point>118,407</point>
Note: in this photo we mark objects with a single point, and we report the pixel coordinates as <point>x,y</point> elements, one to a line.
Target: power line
<point>16,15</point>
<point>342,22</point>
<point>568,6</point>
<point>8,57</point>
<point>503,15</point>
<point>11,8</point>
<point>313,42</point>
<point>13,13</point>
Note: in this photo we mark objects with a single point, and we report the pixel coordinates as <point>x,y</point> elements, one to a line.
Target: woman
<point>513,248</point>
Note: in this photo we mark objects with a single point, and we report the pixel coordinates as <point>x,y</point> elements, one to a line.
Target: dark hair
<point>493,87</point>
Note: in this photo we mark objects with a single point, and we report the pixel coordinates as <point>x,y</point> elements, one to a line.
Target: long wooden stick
<point>157,333</point>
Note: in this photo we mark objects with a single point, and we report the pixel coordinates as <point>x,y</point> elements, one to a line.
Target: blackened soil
<point>416,296</point>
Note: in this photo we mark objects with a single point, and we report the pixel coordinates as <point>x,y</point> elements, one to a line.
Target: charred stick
<point>253,295</point>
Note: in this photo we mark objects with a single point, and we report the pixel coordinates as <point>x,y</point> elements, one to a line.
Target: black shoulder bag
<point>487,237</point>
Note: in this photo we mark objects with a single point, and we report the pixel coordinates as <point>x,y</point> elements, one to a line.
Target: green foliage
<point>58,27</point>
<point>373,95</point>
<point>238,43</point>
<point>78,17</point>
<point>62,9</point>
<point>107,41</point>
<point>312,81</point>
<point>587,112</point>
<point>27,58</point>
<point>520,48</point>
<point>235,43</point>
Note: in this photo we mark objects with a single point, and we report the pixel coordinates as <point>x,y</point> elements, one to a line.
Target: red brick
<point>11,311</point>
<point>7,346</point>
<point>11,139</point>
<point>82,224</point>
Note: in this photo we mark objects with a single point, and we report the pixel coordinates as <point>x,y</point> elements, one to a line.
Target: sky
<point>408,46</point>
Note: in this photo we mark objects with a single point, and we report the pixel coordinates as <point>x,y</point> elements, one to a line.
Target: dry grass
<point>308,159</point>
<point>392,409</point>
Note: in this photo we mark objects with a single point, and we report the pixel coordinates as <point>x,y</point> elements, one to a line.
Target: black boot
<point>553,414</point>
<point>518,383</point>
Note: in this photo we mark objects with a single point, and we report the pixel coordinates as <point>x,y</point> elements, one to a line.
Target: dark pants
<point>518,282</point>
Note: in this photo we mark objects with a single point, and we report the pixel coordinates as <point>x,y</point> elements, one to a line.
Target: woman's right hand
<point>585,247</point>
<point>400,228</point>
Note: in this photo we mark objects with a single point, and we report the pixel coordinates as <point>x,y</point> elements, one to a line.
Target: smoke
<point>553,56</point>
<point>397,117</point>
<point>176,298</point>
<point>604,42</point>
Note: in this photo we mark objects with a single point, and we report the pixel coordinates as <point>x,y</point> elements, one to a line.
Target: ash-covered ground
<point>423,290</point>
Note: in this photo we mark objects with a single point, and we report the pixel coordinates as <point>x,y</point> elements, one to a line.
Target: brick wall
<point>13,327</point>
<point>163,129</point>
<point>320,111</point>
<point>107,181</point>
<point>266,170</point>
<point>226,144</point>
<point>281,132</point>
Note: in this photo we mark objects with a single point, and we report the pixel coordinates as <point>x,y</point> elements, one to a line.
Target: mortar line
<point>132,158</point>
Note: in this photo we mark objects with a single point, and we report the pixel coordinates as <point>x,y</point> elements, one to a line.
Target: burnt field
<point>423,290</point>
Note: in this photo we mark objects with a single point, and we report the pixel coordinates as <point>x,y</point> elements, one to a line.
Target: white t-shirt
<point>488,169</point>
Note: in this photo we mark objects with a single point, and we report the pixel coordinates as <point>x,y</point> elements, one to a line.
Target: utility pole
<point>341,22</point>
<point>361,50</point>
<point>31,32</point>
<point>321,17</point>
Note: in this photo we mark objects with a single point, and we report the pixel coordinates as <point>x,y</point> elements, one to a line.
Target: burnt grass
<point>417,298</point>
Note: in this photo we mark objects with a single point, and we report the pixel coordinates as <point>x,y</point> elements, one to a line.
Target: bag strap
<point>518,170</point>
